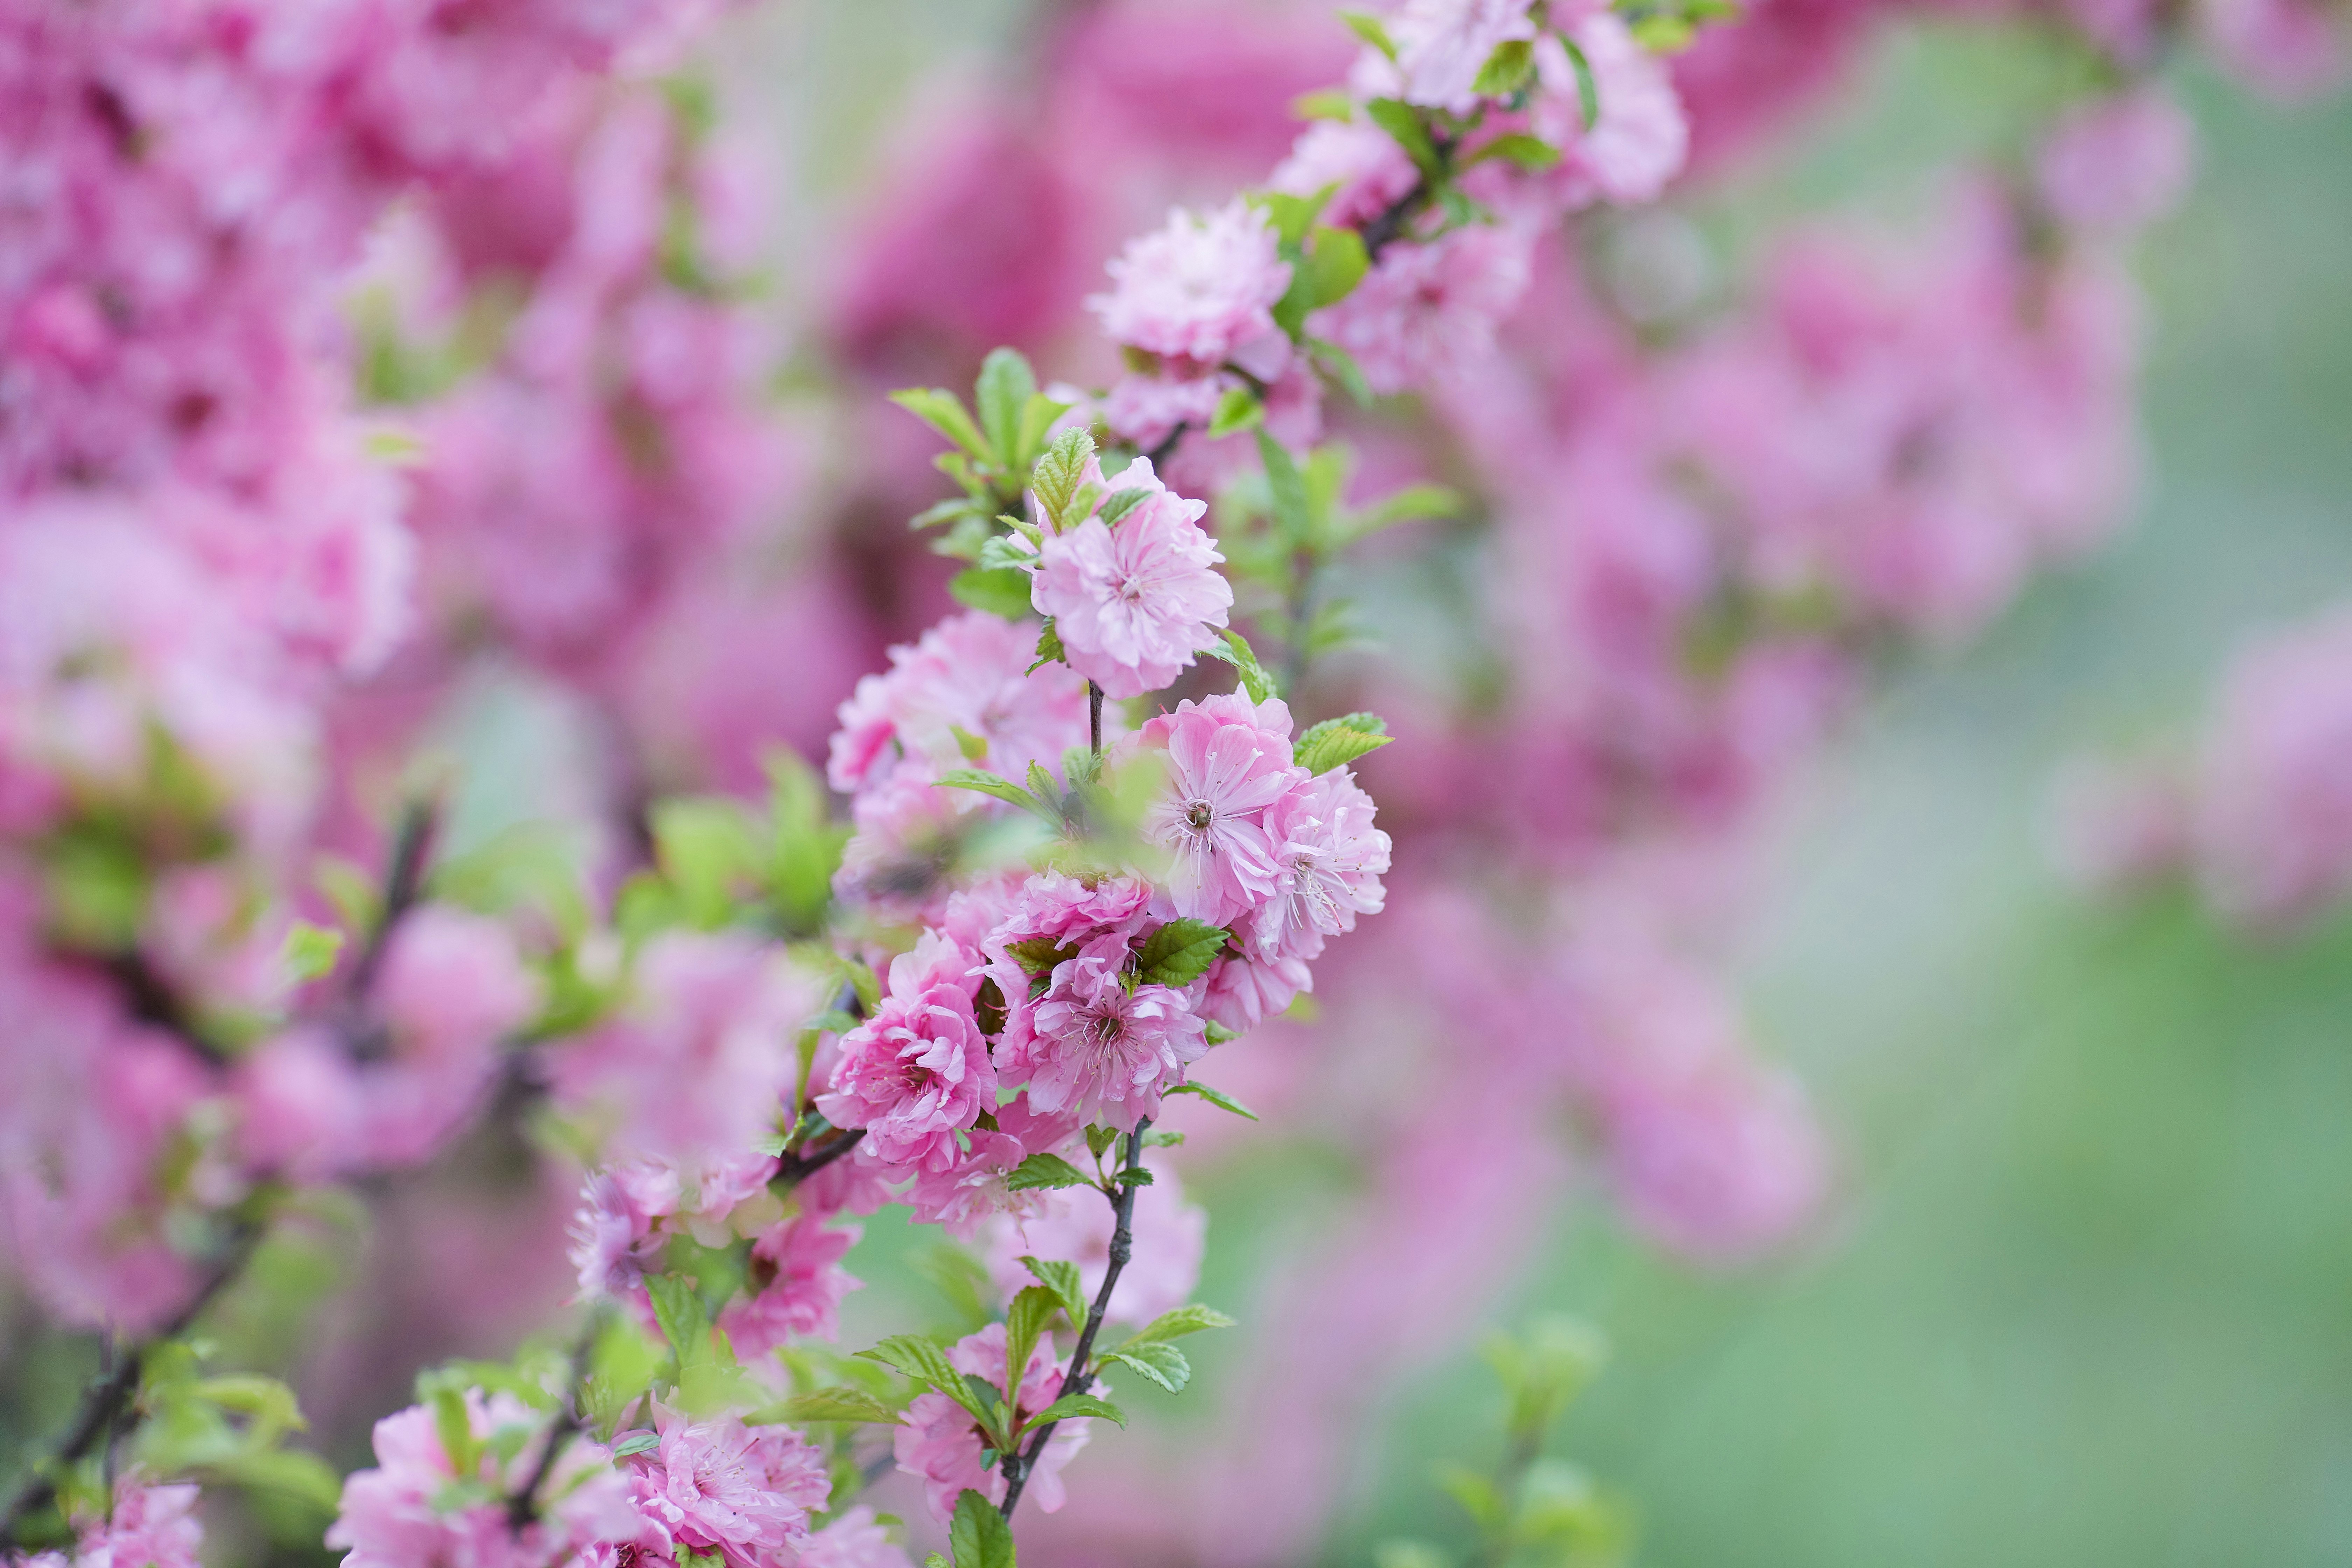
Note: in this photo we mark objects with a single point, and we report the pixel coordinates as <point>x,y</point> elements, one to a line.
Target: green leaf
<point>1511,66</point>
<point>1218,1033</point>
<point>1049,649</point>
<point>1529,153</point>
<point>999,590</point>
<point>1587,91</point>
<point>1176,1323</point>
<point>1099,1138</point>
<point>1181,952</point>
<point>1119,503</point>
<point>1063,1279</point>
<point>1402,121</point>
<point>943,411</point>
<point>1059,472</point>
<point>1256,680</point>
<point>936,1561</point>
<point>923,1360</point>
<point>1041,786</point>
<point>978,1536</point>
<point>1340,366</point>
<point>1329,103</point>
<point>1293,215</point>
<point>1663,34</point>
<point>1163,1363</point>
<point>1221,1101</point>
<point>1043,1170</point>
<point>1006,385</point>
<point>645,1443</point>
<point>1336,264</point>
<point>455,1428</point>
<point>835,1404</point>
<point>973,747</point>
<point>1037,417</point>
<point>1159,1139</point>
<point>1402,1553</point>
<point>1038,954</point>
<point>685,1322</point>
<point>1371,30</point>
<point>1413,503</point>
<point>1238,409</point>
<point>1335,742</point>
<point>996,784</point>
<point>1288,488</point>
<point>311,951</point>
<point>1024,1318</point>
<point>954,509</point>
<point>1075,1405</point>
<point>708,851</point>
<point>1478,1496</point>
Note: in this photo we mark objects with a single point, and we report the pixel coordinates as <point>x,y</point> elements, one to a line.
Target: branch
<point>1018,1468</point>
<point>1094,715</point>
<point>106,1400</point>
<point>523,1506</point>
<point>403,882</point>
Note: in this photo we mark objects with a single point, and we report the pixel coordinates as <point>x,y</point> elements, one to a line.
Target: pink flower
<point>1134,603</point>
<point>1429,312</point>
<point>1055,913</point>
<point>917,1072</point>
<point>938,1442</point>
<point>2116,165</point>
<point>452,988</point>
<point>792,1288</point>
<point>717,1485</point>
<point>968,673</point>
<point>1639,138</point>
<point>1329,859</point>
<point>1227,762</point>
<point>1441,44</point>
<point>1200,289</point>
<point>1242,991</point>
<point>1148,409</point>
<point>968,1193</point>
<point>854,1540</point>
<point>1074,1225</point>
<point>151,1527</point>
<point>613,1241</point>
<point>1093,1048</point>
<point>1363,160</point>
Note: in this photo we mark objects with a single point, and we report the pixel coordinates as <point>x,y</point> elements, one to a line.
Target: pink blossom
<point>1441,44</point>
<point>852,1539</point>
<point>917,1072</point>
<point>792,1288</point>
<point>613,1240</point>
<point>1329,860</point>
<point>150,1527</point>
<point>938,1442</point>
<point>1053,912</point>
<point>2116,165</point>
<point>1242,991</point>
<point>451,989</point>
<point>1200,289</point>
<point>1371,172</point>
<point>1134,603</point>
<point>960,1198</point>
<point>1640,137</point>
<point>1148,409</point>
<point>968,673</point>
<point>1095,1049</point>
<point>1227,762</point>
<point>693,1063</point>
<point>1429,312</point>
<point>717,1485</point>
<point>1074,1225</point>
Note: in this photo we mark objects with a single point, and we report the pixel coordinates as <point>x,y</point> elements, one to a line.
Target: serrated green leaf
<point>1177,1323</point>
<point>1163,1363</point>
<point>1371,30</point>
<point>1042,784</point>
<point>1006,385</point>
<point>1042,1170</point>
<point>978,1535</point>
<point>835,1405</point>
<point>685,1321</point>
<point>1064,1281</point>
<point>1025,1318</point>
<point>943,411</point>
<point>1181,952</point>
<point>1058,473</point>
<point>1049,649</point>
<point>1234,650</point>
<point>1238,409</point>
<point>640,1443</point>
<point>999,590</point>
<point>1511,66</point>
<point>1221,1101</point>
<point>1286,487</point>
<point>1403,124</point>
<point>1120,502</point>
<point>924,1360</point>
<point>1071,1405</point>
<point>996,785</point>
<point>1037,417</point>
<point>1336,742</point>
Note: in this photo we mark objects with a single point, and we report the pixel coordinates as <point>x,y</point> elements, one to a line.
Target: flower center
<point>1198,816</point>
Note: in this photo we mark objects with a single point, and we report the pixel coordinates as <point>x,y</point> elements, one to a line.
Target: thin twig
<point>1018,1468</point>
<point>107,1399</point>
<point>523,1506</point>
<point>1094,716</point>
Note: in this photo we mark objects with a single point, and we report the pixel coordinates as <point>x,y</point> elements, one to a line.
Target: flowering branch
<point>1080,1377</point>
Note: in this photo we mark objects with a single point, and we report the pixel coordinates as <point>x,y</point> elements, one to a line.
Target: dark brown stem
<point>107,1401</point>
<point>1018,1468</point>
<point>403,882</point>
<point>1094,716</point>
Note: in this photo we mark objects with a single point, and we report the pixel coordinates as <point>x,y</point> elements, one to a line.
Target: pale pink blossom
<point>1200,288</point>
<point>1371,172</point>
<point>1640,137</point>
<point>1094,1048</point>
<point>150,1527</point>
<point>792,1288</point>
<point>968,673</point>
<point>1134,603</point>
<point>1328,858</point>
<point>2273,812</point>
<point>1429,312</point>
<point>852,1539</point>
<point>1441,44</point>
<point>1148,409</point>
<point>917,1072</point>
<point>1227,762</point>
<point>1240,991</point>
<point>961,1197</point>
<point>717,1485</point>
<point>452,988</point>
<point>938,1442</point>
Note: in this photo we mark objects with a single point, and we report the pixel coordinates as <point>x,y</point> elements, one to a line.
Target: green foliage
<point>923,1360</point>
<point>978,1535</point>
<point>1509,69</point>
<point>1181,952</point>
<point>1530,154</point>
<point>1075,1405</point>
<point>1119,503</point>
<point>1063,1279</point>
<point>961,1281</point>
<point>1042,1171</point>
<point>1238,409</point>
<point>1403,124</point>
<point>1221,1101</point>
<point>1256,680</point>
<point>835,1405</point>
<point>1372,30</point>
<point>1163,1363</point>
<point>1002,788</point>
<point>1026,1317</point>
<point>1057,474</point>
<point>999,590</point>
<point>311,951</point>
<point>1337,742</point>
<point>1177,1323</point>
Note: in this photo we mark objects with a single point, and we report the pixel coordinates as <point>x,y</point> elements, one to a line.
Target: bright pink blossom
<point>717,1485</point>
<point>917,1072</point>
<point>1201,287</point>
<point>1227,762</point>
<point>968,673</point>
<point>1135,601</point>
<point>1328,858</point>
<point>150,1527</point>
<point>1105,1053</point>
<point>1429,310</point>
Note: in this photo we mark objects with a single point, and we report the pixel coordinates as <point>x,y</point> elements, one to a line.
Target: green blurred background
<point>2088,1298</point>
